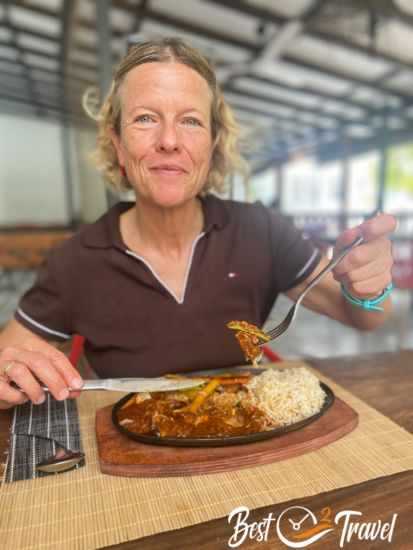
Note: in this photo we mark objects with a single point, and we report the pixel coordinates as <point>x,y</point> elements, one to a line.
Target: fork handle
<point>330,266</point>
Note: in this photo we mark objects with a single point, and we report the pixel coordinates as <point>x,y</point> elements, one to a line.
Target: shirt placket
<point>159,279</point>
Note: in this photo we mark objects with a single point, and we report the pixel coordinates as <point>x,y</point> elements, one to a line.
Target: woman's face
<point>165,142</point>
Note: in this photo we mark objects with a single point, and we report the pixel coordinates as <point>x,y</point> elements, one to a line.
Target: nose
<point>168,138</point>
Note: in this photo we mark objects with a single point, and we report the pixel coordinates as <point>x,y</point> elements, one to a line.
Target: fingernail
<point>64,394</point>
<point>41,400</point>
<point>76,383</point>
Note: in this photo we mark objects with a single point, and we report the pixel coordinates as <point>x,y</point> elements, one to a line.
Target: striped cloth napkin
<point>37,432</point>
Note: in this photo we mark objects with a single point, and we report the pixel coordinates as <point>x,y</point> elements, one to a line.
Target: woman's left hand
<point>366,270</point>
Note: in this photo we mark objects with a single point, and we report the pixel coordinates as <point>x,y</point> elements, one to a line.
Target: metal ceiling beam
<point>14,43</point>
<point>51,56</point>
<point>33,33</point>
<point>31,50</point>
<point>266,131</point>
<point>257,12</point>
<point>390,9</point>
<point>232,88</point>
<point>145,11</point>
<point>359,146</point>
<point>276,117</point>
<point>11,94</point>
<point>57,108</point>
<point>73,93</point>
<point>194,28</point>
<point>364,83</point>
<point>89,25</point>
<point>81,81</point>
<point>15,87</point>
<point>346,43</point>
<point>275,46</point>
<point>267,15</point>
<point>324,36</point>
<point>319,94</point>
<point>40,10</point>
<point>253,49</point>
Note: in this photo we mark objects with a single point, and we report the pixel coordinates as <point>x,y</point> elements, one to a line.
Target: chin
<point>172,197</point>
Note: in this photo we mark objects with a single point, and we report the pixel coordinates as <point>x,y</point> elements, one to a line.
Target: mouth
<point>169,169</point>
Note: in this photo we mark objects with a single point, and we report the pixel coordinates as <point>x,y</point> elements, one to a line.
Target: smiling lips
<point>168,169</point>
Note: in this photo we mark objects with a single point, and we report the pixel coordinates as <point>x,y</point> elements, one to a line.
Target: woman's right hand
<point>32,362</point>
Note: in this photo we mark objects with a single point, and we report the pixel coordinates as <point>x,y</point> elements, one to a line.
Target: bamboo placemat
<point>85,509</point>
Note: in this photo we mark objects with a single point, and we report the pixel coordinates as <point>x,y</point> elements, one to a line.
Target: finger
<point>379,226</point>
<point>60,361</point>
<point>371,287</point>
<point>347,237</point>
<point>44,370</point>
<point>74,394</point>
<point>24,379</point>
<point>364,255</point>
<point>372,269</point>
<point>10,396</point>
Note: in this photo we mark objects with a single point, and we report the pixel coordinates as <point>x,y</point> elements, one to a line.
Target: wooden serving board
<point>121,456</point>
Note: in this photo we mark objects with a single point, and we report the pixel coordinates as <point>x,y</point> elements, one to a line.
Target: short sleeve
<point>42,308</point>
<point>295,257</point>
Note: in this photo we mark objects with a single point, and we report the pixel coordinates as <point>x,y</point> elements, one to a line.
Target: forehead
<point>168,81</point>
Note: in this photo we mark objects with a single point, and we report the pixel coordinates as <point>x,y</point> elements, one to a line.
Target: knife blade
<point>140,385</point>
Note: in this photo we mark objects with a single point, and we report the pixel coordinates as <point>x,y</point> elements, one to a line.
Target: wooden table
<point>27,249</point>
<point>384,381</point>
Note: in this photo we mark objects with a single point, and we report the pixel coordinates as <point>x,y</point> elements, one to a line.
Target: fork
<point>283,326</point>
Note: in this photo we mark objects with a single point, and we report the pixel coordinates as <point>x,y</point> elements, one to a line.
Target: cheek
<point>136,147</point>
<point>201,151</point>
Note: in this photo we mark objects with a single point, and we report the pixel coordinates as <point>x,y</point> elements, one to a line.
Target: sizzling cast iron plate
<point>220,441</point>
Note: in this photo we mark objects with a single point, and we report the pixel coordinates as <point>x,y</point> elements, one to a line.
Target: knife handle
<point>88,385</point>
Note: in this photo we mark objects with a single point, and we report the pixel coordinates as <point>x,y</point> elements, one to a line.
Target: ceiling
<point>325,75</point>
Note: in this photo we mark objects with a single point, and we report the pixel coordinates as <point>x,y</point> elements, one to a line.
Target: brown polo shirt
<point>133,325</point>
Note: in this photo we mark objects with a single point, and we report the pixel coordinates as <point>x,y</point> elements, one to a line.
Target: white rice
<point>286,396</point>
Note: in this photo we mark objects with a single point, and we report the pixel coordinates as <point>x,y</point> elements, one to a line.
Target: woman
<point>152,284</point>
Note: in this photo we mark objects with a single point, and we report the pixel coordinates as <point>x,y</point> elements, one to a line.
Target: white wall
<point>91,187</point>
<point>31,172</point>
<point>32,189</point>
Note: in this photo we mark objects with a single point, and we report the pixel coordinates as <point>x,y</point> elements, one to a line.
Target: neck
<point>165,229</point>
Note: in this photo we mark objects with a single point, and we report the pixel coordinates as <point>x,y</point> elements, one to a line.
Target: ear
<point>117,143</point>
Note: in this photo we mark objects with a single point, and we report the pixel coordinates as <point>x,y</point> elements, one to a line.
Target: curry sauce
<point>227,412</point>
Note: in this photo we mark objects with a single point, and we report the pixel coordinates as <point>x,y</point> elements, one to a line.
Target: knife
<point>140,384</point>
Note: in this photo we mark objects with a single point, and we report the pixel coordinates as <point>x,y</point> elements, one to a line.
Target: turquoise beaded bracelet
<point>368,305</point>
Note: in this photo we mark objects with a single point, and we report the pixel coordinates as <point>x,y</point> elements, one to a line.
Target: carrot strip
<point>232,381</point>
<point>203,394</point>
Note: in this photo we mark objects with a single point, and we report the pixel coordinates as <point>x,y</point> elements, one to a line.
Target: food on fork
<point>250,338</point>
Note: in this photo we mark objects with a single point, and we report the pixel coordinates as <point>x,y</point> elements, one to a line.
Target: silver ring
<point>7,367</point>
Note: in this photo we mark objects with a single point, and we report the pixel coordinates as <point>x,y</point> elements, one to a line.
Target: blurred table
<point>27,249</point>
<point>21,252</point>
<point>384,381</point>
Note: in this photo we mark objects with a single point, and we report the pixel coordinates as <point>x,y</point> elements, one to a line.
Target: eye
<point>191,121</point>
<point>144,119</point>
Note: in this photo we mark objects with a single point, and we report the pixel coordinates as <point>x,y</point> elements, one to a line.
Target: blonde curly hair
<point>226,159</point>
